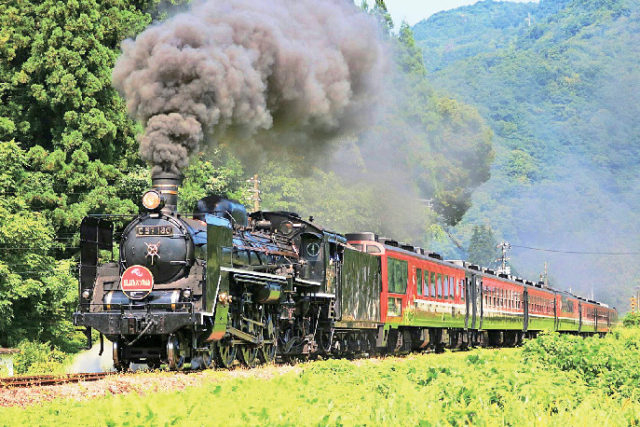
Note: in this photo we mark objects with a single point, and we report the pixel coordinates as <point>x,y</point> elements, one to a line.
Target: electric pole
<point>256,192</point>
<point>504,268</point>
<point>544,277</point>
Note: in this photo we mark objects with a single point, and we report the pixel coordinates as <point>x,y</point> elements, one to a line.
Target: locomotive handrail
<point>304,282</point>
<point>254,273</point>
<point>252,280</point>
<point>266,251</point>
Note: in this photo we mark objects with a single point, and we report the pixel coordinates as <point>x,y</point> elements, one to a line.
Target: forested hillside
<point>562,97</point>
<point>453,35</point>
<point>68,149</point>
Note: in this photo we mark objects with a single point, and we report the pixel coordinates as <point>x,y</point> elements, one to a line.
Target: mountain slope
<point>562,99</point>
<point>452,35</point>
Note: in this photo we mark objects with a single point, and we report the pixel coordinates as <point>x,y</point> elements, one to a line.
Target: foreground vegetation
<point>553,380</point>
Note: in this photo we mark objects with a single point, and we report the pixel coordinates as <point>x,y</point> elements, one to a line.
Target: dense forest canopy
<point>560,91</point>
<point>68,148</point>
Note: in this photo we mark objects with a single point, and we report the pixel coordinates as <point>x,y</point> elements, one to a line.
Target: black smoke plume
<point>259,74</point>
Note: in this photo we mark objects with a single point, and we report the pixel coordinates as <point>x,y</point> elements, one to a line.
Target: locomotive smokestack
<point>167,184</point>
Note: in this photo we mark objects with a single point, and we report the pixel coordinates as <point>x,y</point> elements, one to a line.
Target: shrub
<point>38,358</point>
<point>610,363</point>
<point>631,320</point>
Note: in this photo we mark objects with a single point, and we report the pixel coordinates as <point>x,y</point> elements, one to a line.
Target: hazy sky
<point>413,11</point>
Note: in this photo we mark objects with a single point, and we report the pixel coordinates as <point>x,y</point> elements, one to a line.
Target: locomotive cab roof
<point>229,209</point>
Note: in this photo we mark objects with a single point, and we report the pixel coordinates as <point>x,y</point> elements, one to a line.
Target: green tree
<point>68,149</point>
<point>482,247</point>
<point>213,171</point>
<point>37,292</point>
<point>382,13</point>
<point>410,57</point>
<point>447,144</point>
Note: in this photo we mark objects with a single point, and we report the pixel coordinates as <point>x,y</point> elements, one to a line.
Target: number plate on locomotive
<point>154,230</point>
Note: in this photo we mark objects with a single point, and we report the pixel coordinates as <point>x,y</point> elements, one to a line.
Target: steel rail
<point>43,380</point>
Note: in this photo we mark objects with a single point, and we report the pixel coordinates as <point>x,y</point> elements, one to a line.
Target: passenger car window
<point>433,285</point>
<point>394,306</point>
<point>397,275</point>
<point>445,286</point>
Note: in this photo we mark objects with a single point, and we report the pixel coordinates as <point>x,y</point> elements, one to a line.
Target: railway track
<point>41,380</point>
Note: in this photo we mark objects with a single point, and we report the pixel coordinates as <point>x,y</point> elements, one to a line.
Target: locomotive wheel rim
<point>225,352</point>
<point>267,353</point>
<point>116,354</point>
<point>119,364</point>
<point>248,356</point>
<point>247,353</point>
<point>208,357</point>
<point>153,364</point>
<point>175,360</point>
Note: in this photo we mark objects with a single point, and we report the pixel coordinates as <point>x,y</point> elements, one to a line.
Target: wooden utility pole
<point>256,192</point>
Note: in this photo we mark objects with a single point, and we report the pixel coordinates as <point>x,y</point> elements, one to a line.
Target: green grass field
<point>551,381</point>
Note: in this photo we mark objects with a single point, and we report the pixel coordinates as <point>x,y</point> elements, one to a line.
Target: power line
<point>13,248</point>
<point>75,193</point>
<point>575,252</point>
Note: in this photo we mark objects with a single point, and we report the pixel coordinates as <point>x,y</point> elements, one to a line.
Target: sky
<point>414,11</point>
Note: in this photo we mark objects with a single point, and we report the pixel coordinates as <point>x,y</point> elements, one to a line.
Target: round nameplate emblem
<point>136,282</point>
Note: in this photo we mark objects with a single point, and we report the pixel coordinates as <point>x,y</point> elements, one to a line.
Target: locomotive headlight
<point>152,200</point>
<point>86,294</point>
<point>186,293</point>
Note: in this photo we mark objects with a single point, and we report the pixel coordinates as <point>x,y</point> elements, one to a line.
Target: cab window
<point>373,249</point>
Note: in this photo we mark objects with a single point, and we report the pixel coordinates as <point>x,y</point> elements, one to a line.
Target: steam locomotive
<point>225,285</point>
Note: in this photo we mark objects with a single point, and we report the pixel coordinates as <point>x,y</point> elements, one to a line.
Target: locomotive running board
<point>243,335</point>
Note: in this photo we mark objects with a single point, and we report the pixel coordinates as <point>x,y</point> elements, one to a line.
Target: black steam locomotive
<point>219,286</point>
